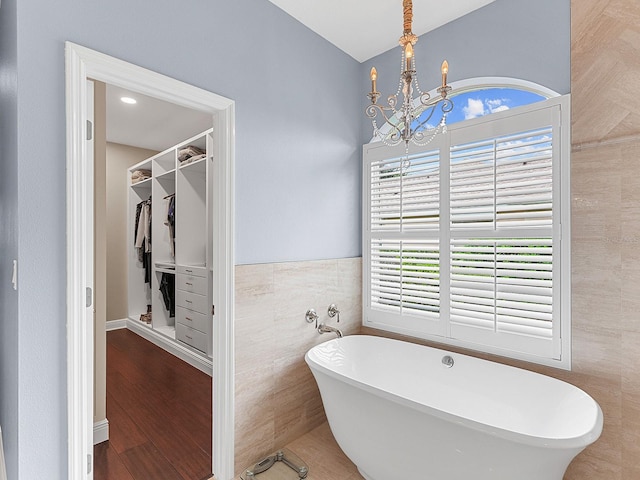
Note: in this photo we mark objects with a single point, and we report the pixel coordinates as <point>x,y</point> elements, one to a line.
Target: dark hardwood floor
<point>159,412</point>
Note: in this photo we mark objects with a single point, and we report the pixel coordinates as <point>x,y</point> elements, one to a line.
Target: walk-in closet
<point>170,262</point>
<point>154,205</point>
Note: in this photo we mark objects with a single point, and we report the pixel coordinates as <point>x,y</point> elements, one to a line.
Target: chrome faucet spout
<point>323,328</point>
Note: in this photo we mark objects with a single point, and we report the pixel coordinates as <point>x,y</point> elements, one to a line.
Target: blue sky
<point>483,102</point>
<point>478,103</point>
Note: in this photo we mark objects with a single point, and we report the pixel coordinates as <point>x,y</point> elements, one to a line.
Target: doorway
<point>82,64</point>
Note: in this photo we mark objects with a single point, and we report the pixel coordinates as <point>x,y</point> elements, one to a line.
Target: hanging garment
<point>170,221</point>
<point>140,252</point>
<point>143,237</point>
<point>167,288</point>
<point>142,229</point>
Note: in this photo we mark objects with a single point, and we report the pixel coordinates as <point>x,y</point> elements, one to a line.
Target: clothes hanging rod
<point>170,195</point>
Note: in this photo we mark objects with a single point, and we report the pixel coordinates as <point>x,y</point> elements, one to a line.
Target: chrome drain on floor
<point>282,465</point>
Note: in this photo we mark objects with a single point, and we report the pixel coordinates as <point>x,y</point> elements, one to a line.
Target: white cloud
<point>474,108</point>
<point>478,108</point>
<point>494,103</point>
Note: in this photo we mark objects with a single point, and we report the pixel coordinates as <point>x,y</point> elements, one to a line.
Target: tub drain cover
<point>282,465</point>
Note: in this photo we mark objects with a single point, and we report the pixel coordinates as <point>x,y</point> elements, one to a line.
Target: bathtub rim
<point>576,442</point>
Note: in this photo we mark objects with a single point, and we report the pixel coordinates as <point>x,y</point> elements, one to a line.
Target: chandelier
<point>409,121</point>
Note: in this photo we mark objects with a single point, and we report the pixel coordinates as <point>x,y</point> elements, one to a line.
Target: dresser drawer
<point>191,283</point>
<point>192,301</point>
<point>189,270</point>
<point>192,319</point>
<point>192,337</point>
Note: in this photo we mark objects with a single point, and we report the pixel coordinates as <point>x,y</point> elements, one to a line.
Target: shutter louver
<point>386,275</point>
<point>504,182</point>
<point>405,276</point>
<point>504,285</point>
<point>499,284</point>
<point>421,278</point>
<point>405,193</point>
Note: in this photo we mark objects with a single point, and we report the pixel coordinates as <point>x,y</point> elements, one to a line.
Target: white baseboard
<point>204,364</point>
<point>100,431</point>
<point>116,324</point>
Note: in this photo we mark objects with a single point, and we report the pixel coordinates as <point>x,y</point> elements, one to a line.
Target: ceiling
<point>150,123</point>
<point>157,125</point>
<point>366,28</point>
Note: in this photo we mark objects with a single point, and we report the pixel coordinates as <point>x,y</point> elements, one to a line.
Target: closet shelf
<point>165,270</point>
<point>197,166</point>
<point>165,267</point>
<point>142,184</point>
<point>169,175</point>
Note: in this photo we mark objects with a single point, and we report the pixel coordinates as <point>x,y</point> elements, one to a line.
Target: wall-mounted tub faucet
<point>324,328</point>
<point>311,316</point>
<point>333,311</point>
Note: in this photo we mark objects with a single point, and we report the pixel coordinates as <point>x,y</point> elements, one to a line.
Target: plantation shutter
<point>462,241</point>
<point>404,247</point>
<point>502,234</point>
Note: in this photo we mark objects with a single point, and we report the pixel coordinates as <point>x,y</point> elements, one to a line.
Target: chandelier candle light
<point>409,122</point>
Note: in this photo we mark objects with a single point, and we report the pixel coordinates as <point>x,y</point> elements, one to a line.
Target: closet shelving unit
<point>188,334</point>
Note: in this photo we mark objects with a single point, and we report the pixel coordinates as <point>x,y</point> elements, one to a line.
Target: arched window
<point>466,240</point>
<point>481,96</point>
<point>478,102</point>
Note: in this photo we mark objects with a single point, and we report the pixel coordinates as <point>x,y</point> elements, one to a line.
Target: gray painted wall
<point>507,38</point>
<point>8,236</point>
<point>297,165</point>
<point>299,131</point>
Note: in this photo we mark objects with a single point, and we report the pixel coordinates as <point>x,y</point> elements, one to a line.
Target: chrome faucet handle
<point>311,316</point>
<point>333,311</point>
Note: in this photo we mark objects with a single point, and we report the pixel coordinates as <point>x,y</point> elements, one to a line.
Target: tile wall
<point>277,400</point>
<point>605,169</point>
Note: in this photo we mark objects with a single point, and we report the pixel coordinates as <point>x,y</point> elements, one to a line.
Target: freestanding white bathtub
<point>399,412</point>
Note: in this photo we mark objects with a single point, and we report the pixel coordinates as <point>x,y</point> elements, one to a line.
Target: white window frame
<point>440,331</point>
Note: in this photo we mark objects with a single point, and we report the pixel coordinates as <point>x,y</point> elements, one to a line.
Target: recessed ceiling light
<point>129,100</point>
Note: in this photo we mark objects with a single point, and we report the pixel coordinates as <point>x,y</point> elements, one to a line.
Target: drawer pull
<point>188,271</point>
<point>188,301</point>
<point>190,338</point>
<point>187,318</point>
<point>190,284</point>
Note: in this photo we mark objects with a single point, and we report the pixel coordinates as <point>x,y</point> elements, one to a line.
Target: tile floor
<point>321,453</point>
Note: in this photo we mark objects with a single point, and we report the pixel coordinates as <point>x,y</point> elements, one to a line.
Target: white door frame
<point>82,64</point>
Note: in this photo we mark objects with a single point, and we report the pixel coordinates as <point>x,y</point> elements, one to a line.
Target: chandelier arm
<point>420,133</point>
<point>425,99</point>
<point>372,112</point>
<point>447,106</point>
<point>392,101</point>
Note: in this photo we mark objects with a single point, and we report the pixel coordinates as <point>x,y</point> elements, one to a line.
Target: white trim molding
<point>100,431</point>
<point>483,83</point>
<point>116,324</point>
<point>81,64</point>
